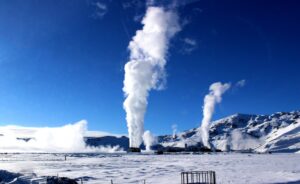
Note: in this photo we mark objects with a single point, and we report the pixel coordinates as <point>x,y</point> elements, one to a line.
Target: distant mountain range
<point>278,132</point>
<point>122,141</point>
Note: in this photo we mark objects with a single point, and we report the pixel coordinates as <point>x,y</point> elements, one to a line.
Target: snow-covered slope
<point>279,132</point>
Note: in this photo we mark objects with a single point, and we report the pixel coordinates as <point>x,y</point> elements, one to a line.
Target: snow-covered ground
<point>125,168</point>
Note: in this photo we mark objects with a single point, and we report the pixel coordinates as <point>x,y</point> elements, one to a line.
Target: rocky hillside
<point>279,132</point>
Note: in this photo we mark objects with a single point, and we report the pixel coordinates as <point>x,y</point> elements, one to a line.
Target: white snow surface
<point>128,168</point>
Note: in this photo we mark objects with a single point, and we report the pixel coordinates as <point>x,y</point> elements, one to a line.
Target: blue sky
<point>62,61</point>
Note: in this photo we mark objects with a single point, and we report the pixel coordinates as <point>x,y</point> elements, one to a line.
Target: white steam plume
<point>148,139</point>
<point>216,91</point>
<point>146,68</point>
<point>241,141</point>
<point>68,138</point>
<point>174,130</point>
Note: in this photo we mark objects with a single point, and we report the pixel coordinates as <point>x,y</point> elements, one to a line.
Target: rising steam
<point>216,91</point>
<point>146,68</point>
<point>174,131</point>
<point>149,140</point>
<point>68,138</point>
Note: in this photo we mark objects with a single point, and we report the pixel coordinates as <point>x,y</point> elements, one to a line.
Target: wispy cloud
<point>100,9</point>
<point>241,83</point>
<point>138,18</point>
<point>126,4</point>
<point>190,41</point>
<point>189,45</point>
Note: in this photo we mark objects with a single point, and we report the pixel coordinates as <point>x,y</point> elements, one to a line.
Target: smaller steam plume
<point>149,140</point>
<point>216,90</point>
<point>241,141</point>
<point>174,131</point>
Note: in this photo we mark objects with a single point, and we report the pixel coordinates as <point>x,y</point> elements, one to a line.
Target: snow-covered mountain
<point>279,132</point>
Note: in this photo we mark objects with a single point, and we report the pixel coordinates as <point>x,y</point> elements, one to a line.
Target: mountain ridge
<point>278,132</point>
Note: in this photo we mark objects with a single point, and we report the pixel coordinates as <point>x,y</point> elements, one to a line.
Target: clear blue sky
<point>62,61</point>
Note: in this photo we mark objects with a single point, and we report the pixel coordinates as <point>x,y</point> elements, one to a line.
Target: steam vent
<point>134,150</point>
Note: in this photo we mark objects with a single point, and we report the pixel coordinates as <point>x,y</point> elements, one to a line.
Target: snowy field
<point>123,168</point>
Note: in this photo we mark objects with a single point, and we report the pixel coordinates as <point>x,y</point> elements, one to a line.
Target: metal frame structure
<point>198,177</point>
